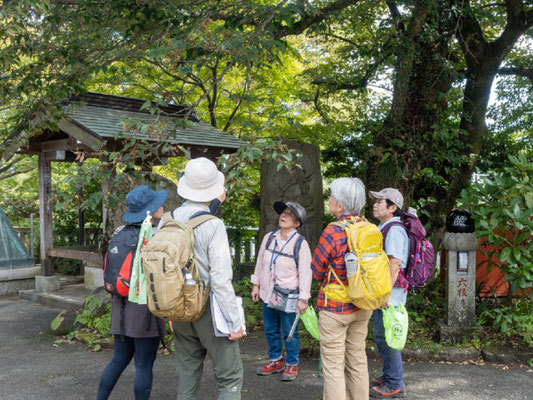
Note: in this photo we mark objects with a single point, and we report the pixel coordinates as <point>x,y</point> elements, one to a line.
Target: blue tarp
<point>13,253</point>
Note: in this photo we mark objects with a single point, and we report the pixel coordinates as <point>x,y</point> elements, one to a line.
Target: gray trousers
<point>192,342</point>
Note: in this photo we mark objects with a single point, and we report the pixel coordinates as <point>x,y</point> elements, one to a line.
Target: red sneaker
<point>377,381</point>
<point>290,373</point>
<point>384,391</point>
<point>272,367</point>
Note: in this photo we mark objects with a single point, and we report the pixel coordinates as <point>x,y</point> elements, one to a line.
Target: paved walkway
<point>34,367</point>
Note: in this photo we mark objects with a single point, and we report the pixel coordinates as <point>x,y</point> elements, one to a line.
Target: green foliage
<point>242,172</point>
<point>501,204</point>
<point>425,308</point>
<point>513,320</point>
<point>95,316</point>
<point>355,78</point>
<point>252,311</point>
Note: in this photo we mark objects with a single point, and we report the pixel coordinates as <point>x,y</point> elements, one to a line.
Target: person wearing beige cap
<point>201,184</point>
<point>387,209</point>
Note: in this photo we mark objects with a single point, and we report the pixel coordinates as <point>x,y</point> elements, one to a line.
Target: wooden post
<point>81,217</point>
<point>45,215</point>
<point>32,239</point>
<point>106,188</point>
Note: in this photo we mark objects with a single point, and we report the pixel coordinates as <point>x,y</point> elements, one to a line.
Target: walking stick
<point>294,326</point>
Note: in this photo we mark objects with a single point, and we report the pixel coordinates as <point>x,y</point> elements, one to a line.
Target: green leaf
<point>58,320</point>
<point>505,254</point>
<point>517,252</point>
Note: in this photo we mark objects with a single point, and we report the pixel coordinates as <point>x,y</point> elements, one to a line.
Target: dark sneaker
<point>384,391</point>
<point>290,373</point>
<point>377,381</point>
<point>272,367</point>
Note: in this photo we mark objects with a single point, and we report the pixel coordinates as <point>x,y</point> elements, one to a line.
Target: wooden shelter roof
<point>93,121</point>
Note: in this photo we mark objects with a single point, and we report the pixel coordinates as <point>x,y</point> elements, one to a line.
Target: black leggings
<point>145,351</point>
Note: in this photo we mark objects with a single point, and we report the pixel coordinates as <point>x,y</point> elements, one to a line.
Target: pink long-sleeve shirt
<point>287,275</point>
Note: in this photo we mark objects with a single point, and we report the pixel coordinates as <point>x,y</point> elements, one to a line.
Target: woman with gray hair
<point>342,326</point>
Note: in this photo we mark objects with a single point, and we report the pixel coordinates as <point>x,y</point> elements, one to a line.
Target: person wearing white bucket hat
<point>200,185</point>
<point>202,181</point>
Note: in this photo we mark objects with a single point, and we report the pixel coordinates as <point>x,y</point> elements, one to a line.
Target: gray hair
<point>350,192</point>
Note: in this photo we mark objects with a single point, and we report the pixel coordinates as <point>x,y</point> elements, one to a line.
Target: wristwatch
<point>303,301</point>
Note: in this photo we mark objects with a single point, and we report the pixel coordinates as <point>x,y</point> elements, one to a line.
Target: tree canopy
<point>394,91</point>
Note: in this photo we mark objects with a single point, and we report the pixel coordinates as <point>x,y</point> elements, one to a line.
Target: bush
<point>426,307</point>
<point>501,204</point>
<point>252,311</point>
<point>514,320</point>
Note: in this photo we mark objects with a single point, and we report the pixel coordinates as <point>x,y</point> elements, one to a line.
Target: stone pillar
<point>460,286</point>
<point>300,185</point>
<point>46,284</point>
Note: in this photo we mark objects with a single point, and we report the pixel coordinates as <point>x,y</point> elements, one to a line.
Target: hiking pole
<point>294,325</point>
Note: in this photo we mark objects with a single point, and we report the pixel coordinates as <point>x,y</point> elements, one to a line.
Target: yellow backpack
<point>370,286</point>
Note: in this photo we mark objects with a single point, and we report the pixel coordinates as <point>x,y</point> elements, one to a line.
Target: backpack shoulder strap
<point>197,221</point>
<point>269,240</point>
<point>385,230</point>
<point>297,247</point>
<point>168,218</point>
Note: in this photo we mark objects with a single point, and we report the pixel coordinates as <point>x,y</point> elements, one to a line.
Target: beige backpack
<point>166,258</point>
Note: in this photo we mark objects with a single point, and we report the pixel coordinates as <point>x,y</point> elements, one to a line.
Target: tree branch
<point>14,173</point>
<point>518,21</point>
<point>316,17</point>
<point>317,107</point>
<point>363,82</point>
<point>396,15</point>
<point>526,73</point>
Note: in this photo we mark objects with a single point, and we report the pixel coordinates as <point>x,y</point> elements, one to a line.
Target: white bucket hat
<point>202,181</point>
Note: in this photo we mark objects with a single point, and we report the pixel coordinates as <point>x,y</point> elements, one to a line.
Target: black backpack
<point>119,260</point>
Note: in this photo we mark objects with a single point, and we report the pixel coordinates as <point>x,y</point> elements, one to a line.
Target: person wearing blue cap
<point>136,331</point>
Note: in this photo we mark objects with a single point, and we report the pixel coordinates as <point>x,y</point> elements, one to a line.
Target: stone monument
<point>461,247</point>
<point>302,185</point>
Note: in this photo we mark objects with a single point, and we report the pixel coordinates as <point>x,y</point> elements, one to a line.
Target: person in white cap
<point>387,209</point>
<point>201,184</point>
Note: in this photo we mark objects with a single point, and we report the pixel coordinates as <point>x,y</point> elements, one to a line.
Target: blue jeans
<point>392,359</point>
<point>275,322</point>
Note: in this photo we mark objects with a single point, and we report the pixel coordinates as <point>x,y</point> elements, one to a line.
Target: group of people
<point>285,268</point>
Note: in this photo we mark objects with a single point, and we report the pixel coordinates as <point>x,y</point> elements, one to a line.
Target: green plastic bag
<point>310,321</point>
<point>138,278</point>
<point>396,323</point>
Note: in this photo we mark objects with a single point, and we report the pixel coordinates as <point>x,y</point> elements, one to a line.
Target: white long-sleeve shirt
<point>211,247</point>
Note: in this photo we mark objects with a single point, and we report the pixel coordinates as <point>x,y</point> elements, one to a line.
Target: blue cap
<point>142,199</point>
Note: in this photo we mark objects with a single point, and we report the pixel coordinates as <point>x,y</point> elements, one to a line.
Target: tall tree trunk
<point>403,156</point>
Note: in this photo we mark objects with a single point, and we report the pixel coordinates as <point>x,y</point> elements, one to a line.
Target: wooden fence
<point>242,243</point>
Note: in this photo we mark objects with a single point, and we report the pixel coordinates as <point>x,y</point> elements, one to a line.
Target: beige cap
<point>391,194</point>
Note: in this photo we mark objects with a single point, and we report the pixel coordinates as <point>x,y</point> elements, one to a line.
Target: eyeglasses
<point>327,195</point>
